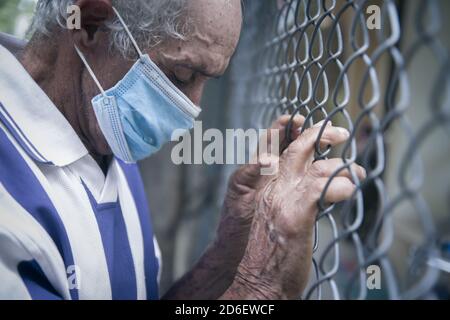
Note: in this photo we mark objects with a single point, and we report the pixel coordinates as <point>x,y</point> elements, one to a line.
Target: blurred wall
<point>434,152</point>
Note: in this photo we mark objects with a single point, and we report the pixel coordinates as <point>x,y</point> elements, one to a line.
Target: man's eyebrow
<point>202,70</point>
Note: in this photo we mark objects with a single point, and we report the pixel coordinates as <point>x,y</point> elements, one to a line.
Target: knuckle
<point>241,176</point>
<point>298,146</point>
<point>319,168</point>
<point>318,187</point>
<point>305,140</point>
<point>311,133</point>
<point>299,119</point>
<point>286,223</point>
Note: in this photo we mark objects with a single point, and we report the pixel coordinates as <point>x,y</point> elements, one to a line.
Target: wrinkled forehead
<point>215,23</point>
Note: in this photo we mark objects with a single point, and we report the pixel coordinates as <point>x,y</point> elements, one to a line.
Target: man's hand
<point>215,271</point>
<point>239,204</point>
<point>277,259</point>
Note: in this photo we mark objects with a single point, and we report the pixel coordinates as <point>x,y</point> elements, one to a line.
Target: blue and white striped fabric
<point>66,230</point>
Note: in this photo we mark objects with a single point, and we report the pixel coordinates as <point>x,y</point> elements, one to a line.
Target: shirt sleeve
<point>21,276</point>
<point>31,266</point>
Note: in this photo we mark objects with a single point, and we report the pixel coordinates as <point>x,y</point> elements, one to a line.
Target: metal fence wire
<point>320,59</point>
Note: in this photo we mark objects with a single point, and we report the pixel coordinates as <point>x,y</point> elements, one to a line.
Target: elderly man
<point>79,107</point>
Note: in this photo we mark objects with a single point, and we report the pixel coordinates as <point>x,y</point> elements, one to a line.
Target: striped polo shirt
<point>67,231</point>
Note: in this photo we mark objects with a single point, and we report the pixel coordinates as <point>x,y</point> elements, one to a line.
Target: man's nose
<point>195,93</point>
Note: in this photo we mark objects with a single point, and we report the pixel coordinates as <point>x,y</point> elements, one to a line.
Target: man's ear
<point>94,14</point>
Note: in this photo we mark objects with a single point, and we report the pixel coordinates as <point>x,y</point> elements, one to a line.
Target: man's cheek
<point>97,138</point>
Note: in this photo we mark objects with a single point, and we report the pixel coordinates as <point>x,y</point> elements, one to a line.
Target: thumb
<point>256,174</point>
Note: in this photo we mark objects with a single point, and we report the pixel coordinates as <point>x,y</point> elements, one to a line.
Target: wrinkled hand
<point>277,259</point>
<point>239,203</point>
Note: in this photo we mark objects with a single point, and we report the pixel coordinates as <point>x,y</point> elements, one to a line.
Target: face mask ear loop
<point>129,33</point>
<point>90,71</point>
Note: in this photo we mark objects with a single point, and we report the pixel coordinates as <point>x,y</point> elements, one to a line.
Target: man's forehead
<point>211,39</point>
<point>216,23</point>
<point>208,63</point>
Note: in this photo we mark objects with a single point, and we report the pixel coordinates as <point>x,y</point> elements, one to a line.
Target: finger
<point>300,153</point>
<point>277,133</point>
<point>255,175</point>
<point>340,189</point>
<point>282,123</point>
<point>322,143</point>
<point>326,168</point>
<point>246,176</point>
<point>318,124</point>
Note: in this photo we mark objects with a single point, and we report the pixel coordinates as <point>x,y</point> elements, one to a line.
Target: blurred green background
<point>15,16</point>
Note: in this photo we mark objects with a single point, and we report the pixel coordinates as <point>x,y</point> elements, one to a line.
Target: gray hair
<point>150,21</point>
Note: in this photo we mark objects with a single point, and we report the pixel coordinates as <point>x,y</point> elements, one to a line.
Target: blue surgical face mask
<point>141,112</point>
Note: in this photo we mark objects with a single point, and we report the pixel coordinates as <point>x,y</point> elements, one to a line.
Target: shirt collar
<point>32,118</point>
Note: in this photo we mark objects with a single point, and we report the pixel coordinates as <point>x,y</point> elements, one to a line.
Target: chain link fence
<point>389,85</point>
